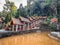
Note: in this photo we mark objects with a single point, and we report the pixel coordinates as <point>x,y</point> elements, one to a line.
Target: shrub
<point>53,26</point>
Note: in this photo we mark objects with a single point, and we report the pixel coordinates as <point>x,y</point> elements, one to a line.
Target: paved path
<point>29,39</point>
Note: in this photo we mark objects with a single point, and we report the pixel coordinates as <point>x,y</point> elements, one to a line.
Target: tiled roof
<point>30,19</point>
<point>24,19</point>
<point>16,21</point>
<point>33,17</point>
<point>43,17</point>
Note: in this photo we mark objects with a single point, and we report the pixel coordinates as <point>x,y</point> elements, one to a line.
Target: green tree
<point>4,13</point>
<point>47,10</point>
<point>10,7</point>
<point>10,10</point>
<point>7,18</point>
<point>13,8</point>
<point>58,10</point>
<point>22,11</point>
<point>17,14</point>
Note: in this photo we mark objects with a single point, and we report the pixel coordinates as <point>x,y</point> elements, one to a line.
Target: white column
<point>20,27</point>
<point>16,27</point>
<point>12,27</point>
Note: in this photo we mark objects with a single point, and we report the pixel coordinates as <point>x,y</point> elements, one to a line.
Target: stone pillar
<point>16,27</point>
<point>12,27</point>
<point>28,26</point>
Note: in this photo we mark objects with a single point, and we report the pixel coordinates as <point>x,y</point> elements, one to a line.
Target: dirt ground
<point>29,39</point>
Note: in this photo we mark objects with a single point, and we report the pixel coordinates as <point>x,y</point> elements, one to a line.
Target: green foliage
<point>47,10</point>
<point>9,11</point>
<point>40,8</point>
<point>58,10</point>
<point>17,14</point>
<point>48,19</point>
<point>11,8</point>
<point>7,18</point>
<point>58,16</point>
<point>53,26</point>
<point>0,14</point>
<point>22,11</point>
<point>4,13</point>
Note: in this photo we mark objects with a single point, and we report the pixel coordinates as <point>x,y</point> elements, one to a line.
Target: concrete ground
<point>40,38</point>
<point>55,35</point>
